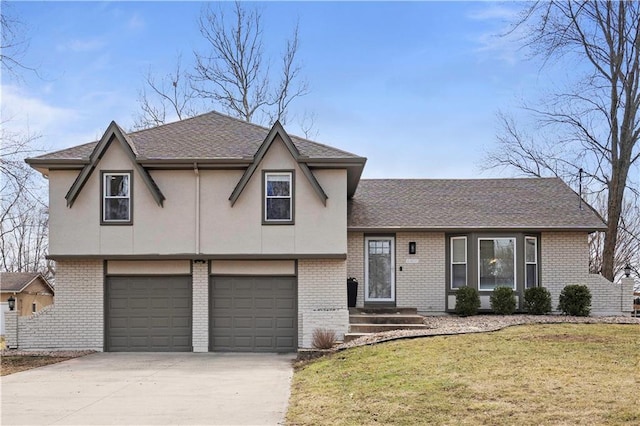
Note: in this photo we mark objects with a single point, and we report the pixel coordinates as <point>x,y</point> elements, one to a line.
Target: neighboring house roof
<point>16,282</point>
<point>527,203</point>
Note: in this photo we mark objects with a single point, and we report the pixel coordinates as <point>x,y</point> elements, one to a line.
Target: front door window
<point>379,269</point>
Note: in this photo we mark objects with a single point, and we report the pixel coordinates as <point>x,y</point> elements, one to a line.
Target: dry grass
<point>535,374</point>
<point>323,338</point>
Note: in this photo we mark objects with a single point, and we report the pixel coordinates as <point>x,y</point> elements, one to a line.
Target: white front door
<point>379,271</point>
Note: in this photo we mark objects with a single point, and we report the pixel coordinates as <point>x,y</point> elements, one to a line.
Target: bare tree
<point>307,124</point>
<point>23,208</point>
<point>170,97</point>
<point>235,74</point>
<point>594,125</point>
<point>14,42</point>
<point>628,246</point>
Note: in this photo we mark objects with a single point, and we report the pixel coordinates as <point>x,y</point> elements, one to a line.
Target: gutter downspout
<point>197,242</point>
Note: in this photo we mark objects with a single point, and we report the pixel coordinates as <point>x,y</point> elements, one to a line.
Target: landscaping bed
<point>453,324</point>
<point>14,361</point>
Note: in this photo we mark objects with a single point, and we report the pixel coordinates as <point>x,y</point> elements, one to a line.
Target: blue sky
<point>414,87</point>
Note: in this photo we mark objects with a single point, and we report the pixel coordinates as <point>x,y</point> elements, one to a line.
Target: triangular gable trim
<point>277,129</point>
<point>113,132</point>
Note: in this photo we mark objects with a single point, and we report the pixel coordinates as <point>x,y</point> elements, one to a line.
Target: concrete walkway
<point>151,389</point>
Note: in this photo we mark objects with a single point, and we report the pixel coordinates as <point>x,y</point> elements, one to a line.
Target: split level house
<point>213,234</point>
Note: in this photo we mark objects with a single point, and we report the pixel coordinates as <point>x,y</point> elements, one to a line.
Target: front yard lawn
<point>533,374</point>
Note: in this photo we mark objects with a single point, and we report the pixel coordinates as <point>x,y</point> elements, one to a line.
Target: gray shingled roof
<point>467,204</point>
<point>208,136</point>
<point>15,281</point>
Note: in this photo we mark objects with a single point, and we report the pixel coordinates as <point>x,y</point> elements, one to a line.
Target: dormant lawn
<point>529,375</point>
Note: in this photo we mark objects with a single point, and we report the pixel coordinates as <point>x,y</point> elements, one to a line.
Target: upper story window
<point>116,198</point>
<point>496,263</point>
<point>278,197</point>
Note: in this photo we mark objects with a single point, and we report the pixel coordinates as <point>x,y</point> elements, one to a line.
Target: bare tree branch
<point>23,208</point>
<point>170,98</point>
<point>14,42</point>
<point>235,74</point>
<point>594,125</point>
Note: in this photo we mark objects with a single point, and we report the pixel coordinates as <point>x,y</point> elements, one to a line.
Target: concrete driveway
<point>151,388</point>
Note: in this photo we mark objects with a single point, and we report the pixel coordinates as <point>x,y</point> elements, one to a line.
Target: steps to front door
<point>366,321</point>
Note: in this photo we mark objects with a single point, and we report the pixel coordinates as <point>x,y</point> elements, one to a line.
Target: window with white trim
<point>458,262</point>
<point>496,263</point>
<point>531,262</point>
<point>116,197</point>
<point>278,197</point>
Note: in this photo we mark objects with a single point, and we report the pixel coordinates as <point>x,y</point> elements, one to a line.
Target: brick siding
<point>565,261</point>
<point>200,321</point>
<point>75,320</point>
<point>322,298</point>
<point>421,285</point>
<point>355,262</point>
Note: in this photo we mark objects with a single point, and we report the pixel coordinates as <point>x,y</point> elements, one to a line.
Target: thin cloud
<point>136,22</point>
<point>79,45</point>
<point>493,12</point>
<point>30,115</point>
<point>500,40</point>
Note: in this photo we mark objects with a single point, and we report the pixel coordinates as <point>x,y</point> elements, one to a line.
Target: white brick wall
<point>200,331</point>
<point>419,285</point>
<point>322,298</point>
<point>355,262</point>
<point>565,261</point>
<point>76,319</point>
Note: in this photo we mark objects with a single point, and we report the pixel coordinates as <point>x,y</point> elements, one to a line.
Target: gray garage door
<point>253,314</point>
<point>148,314</point>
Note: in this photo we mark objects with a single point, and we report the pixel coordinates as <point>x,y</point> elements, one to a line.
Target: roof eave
<point>413,228</point>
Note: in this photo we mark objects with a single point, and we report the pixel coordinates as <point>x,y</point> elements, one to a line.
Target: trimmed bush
<point>467,301</point>
<point>537,301</point>
<point>503,301</point>
<point>323,338</point>
<point>575,300</point>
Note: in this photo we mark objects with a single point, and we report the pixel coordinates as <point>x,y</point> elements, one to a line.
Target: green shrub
<point>575,300</point>
<point>537,300</point>
<point>467,301</point>
<point>503,301</point>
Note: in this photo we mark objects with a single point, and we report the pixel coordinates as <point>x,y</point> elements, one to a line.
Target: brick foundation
<point>322,298</point>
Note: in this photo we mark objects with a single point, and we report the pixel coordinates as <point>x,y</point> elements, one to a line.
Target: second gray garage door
<point>148,314</point>
<point>253,314</point>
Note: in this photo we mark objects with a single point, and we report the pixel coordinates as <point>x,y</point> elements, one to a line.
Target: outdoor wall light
<point>12,303</point>
<point>627,271</point>
<point>412,247</point>
<point>199,261</point>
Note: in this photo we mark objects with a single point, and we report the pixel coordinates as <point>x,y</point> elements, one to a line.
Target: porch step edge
<point>379,328</point>
<point>386,319</point>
